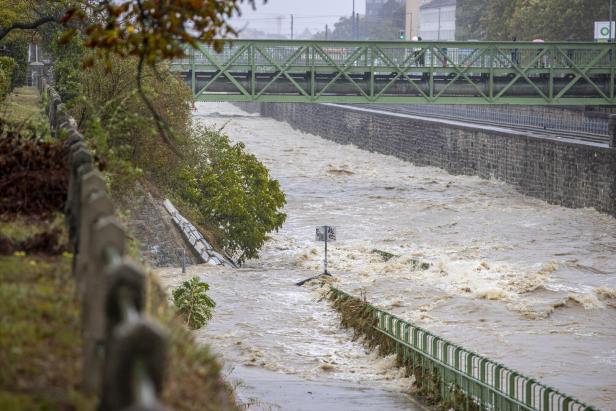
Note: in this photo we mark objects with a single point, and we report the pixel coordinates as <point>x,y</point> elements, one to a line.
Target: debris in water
<point>416,264</point>
<point>327,367</point>
<point>384,254</point>
<point>343,170</point>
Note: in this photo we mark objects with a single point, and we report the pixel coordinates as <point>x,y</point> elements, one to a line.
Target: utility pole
<point>326,32</point>
<point>439,24</point>
<point>357,26</point>
<point>353,25</point>
<point>291,27</point>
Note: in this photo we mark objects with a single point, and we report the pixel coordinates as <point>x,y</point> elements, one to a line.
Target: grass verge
<point>23,106</point>
<point>40,343</point>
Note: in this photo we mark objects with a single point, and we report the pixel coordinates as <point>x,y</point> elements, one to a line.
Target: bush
<point>5,83</point>
<point>33,172</point>
<point>7,68</point>
<point>17,49</point>
<point>233,192</point>
<point>193,303</point>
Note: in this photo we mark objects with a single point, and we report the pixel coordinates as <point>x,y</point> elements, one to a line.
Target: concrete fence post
<point>95,208</point>
<point>125,282</point>
<point>136,348</point>
<point>136,357</point>
<point>107,236</point>
<point>89,183</point>
<point>79,161</point>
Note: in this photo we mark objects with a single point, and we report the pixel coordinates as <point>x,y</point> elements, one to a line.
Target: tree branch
<point>28,26</point>
<point>161,125</point>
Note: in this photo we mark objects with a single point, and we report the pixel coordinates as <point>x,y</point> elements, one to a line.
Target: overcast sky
<point>311,14</point>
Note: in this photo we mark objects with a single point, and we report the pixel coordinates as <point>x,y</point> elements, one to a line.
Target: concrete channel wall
<point>560,172</point>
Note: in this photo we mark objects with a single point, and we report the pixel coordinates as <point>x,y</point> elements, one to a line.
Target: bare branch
<point>29,26</point>
<point>161,125</point>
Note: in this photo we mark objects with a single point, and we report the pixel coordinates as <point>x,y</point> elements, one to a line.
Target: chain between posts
<point>124,353</point>
<point>462,378</point>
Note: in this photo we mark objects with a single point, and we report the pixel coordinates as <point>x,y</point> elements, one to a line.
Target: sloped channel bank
<point>560,172</point>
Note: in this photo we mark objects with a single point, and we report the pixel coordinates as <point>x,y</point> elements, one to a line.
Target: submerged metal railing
<point>483,383</point>
<point>561,73</point>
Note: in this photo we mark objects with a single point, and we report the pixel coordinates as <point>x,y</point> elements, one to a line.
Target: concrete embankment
<point>559,171</point>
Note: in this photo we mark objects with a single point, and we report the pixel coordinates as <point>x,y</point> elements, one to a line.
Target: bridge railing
<point>414,72</point>
<point>569,123</point>
<point>124,352</point>
<point>460,378</point>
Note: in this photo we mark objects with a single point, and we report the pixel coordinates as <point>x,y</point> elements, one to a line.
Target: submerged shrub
<point>193,303</point>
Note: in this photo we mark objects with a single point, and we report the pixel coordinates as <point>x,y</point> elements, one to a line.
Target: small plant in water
<point>193,303</point>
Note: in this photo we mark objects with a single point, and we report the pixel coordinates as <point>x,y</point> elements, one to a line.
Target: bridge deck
<point>403,72</point>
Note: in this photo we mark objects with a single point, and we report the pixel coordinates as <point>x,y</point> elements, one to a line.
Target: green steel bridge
<point>403,72</point>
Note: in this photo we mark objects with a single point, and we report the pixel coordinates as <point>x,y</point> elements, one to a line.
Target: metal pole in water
<point>183,261</point>
<point>325,261</point>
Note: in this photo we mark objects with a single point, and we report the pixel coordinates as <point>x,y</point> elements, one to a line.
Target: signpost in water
<point>326,233</point>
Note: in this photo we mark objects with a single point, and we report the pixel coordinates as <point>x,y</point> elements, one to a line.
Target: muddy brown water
<point>523,282</point>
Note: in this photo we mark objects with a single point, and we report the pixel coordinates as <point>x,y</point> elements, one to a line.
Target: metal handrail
<point>484,383</point>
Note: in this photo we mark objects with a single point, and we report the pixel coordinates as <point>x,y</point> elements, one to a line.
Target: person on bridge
<point>514,54</point>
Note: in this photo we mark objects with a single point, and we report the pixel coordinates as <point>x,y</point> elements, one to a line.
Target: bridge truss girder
<point>403,72</point>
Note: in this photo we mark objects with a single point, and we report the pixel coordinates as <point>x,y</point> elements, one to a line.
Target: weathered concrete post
<point>136,348</point>
<point>97,206</point>
<point>107,240</point>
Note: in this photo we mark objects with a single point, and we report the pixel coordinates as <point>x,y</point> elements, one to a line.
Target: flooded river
<point>526,283</point>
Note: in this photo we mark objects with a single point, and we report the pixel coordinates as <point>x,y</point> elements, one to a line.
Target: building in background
<point>411,26</point>
<point>374,7</point>
<point>38,63</point>
<point>438,20</point>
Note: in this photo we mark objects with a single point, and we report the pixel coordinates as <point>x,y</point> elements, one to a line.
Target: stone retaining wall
<point>160,243</point>
<point>564,173</point>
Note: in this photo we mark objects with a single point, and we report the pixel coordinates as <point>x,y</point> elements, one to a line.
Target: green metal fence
<point>403,72</point>
<point>483,383</point>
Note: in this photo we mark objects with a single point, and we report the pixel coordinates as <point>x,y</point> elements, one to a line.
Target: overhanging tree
<point>152,31</point>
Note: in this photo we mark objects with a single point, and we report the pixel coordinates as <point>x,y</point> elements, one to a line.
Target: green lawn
<point>23,106</point>
<point>40,343</point>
